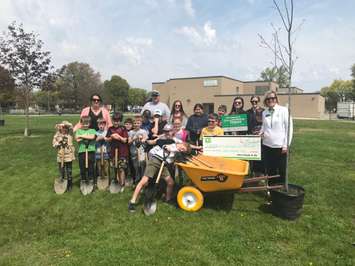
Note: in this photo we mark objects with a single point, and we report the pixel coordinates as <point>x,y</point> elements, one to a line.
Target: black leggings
<point>275,164</point>
<point>89,174</point>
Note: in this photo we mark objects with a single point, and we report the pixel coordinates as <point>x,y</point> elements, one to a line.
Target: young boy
<point>222,110</point>
<point>137,137</point>
<point>103,165</point>
<point>155,160</point>
<point>129,172</point>
<point>212,129</point>
<point>86,136</point>
<point>128,124</point>
<point>63,142</point>
<point>118,138</point>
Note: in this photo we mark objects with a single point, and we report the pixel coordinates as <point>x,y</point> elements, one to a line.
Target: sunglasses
<point>270,98</point>
<point>96,100</point>
<point>177,105</point>
<point>254,101</point>
<point>237,102</point>
<point>211,121</point>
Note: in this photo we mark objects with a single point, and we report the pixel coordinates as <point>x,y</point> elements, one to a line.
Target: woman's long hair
<point>234,109</point>
<point>181,108</point>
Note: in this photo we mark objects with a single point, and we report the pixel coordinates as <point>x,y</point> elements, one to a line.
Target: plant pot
<point>288,205</point>
<point>2,122</point>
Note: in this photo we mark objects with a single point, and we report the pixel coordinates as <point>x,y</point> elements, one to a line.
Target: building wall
<point>192,90</point>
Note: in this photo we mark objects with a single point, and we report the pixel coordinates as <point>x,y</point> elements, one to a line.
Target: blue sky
<point>146,41</point>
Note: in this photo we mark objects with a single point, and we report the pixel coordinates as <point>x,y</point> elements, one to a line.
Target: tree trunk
<point>27,131</point>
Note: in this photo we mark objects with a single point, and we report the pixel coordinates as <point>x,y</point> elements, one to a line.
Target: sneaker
<point>131,206</point>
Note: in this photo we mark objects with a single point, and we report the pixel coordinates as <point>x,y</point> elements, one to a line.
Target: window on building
<point>210,83</point>
<point>208,108</point>
<point>261,90</point>
<point>237,90</point>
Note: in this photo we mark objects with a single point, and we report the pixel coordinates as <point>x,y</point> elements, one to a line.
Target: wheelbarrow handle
<point>203,162</point>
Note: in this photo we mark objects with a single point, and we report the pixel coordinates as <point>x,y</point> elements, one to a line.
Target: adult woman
<point>177,111</point>
<point>255,120</point>
<point>95,112</point>
<point>255,116</point>
<point>196,122</point>
<point>237,109</point>
<point>274,133</point>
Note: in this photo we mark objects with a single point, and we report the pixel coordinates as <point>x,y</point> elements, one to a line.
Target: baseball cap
<point>155,93</point>
<point>168,127</point>
<point>158,112</point>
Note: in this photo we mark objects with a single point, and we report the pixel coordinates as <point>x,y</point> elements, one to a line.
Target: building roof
<point>218,76</point>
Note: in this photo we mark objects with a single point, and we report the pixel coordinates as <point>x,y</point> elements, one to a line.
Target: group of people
<point>137,147</point>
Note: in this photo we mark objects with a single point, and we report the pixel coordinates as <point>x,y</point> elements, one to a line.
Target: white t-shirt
<point>151,106</point>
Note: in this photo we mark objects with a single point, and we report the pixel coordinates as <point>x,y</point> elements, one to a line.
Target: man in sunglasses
<point>156,104</point>
<point>95,111</point>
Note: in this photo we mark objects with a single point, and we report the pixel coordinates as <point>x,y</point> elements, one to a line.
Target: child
<point>128,124</point>
<point>212,129</point>
<point>63,142</point>
<point>103,165</point>
<point>118,138</point>
<point>147,123</point>
<point>222,110</point>
<point>179,132</point>
<point>137,137</point>
<point>152,169</point>
<point>86,136</point>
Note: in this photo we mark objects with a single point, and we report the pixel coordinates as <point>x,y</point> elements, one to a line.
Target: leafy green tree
<point>275,74</point>
<point>136,96</point>
<point>116,92</point>
<point>338,91</point>
<point>46,99</point>
<point>7,88</point>
<point>22,55</point>
<point>76,82</point>
<point>353,75</point>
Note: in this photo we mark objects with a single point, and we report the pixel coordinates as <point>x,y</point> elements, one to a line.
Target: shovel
<point>115,186</point>
<point>102,180</point>
<point>60,183</point>
<point>86,187</point>
<point>150,202</point>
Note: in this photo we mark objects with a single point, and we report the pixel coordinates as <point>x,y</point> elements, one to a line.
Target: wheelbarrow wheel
<point>190,199</point>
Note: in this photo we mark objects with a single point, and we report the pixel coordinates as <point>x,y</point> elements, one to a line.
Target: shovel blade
<point>102,183</point>
<point>114,187</point>
<point>86,188</point>
<point>150,207</point>
<point>60,185</point>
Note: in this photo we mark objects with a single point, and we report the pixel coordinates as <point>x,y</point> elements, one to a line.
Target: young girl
<point>86,136</point>
<point>63,142</point>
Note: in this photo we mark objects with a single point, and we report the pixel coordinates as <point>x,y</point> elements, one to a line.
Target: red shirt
<point>122,147</point>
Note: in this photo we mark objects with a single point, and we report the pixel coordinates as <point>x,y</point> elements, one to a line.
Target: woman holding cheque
<point>274,137</point>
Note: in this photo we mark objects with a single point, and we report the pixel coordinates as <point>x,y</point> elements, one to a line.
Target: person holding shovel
<point>157,167</point>
<point>86,136</point>
<point>102,153</point>
<point>63,142</point>
<point>118,137</point>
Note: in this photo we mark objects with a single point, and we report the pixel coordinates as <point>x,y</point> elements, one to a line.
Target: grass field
<point>38,227</point>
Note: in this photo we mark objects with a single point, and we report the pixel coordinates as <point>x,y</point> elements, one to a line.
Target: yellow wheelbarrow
<point>215,174</point>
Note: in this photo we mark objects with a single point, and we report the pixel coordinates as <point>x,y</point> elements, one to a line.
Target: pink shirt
<point>105,116</point>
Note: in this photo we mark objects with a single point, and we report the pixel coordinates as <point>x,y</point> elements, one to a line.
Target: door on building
<point>208,108</point>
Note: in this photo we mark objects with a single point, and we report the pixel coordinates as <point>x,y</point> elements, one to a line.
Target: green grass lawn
<point>38,227</point>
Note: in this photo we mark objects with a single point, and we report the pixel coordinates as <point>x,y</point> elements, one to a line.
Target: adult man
<point>156,104</point>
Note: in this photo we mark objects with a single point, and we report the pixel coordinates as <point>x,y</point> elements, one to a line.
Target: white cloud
<point>188,8</point>
<point>202,37</point>
<point>132,49</point>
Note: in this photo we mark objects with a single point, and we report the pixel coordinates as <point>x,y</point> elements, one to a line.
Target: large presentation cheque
<point>239,147</point>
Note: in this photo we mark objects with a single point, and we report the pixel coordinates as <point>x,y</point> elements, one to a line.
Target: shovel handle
<point>160,171</point>
<point>86,159</point>
<point>102,155</point>
<point>62,157</point>
<point>203,162</point>
<point>116,158</point>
